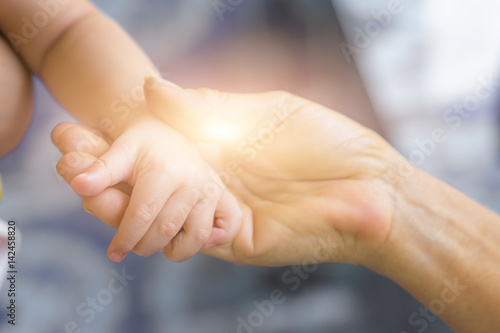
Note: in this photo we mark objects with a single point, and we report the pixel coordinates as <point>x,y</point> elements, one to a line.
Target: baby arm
<point>16,96</point>
<point>91,66</point>
<point>96,72</point>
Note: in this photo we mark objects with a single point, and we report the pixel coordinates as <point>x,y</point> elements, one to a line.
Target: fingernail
<point>89,177</point>
<point>95,170</point>
<point>151,82</point>
<point>116,257</point>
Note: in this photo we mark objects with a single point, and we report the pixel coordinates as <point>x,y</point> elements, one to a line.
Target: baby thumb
<point>111,168</point>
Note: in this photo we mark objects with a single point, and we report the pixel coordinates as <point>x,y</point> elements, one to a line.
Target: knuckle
<point>72,160</point>
<point>203,204</point>
<point>69,164</point>
<point>101,163</point>
<point>60,134</point>
<point>167,230</point>
<point>144,213</point>
<point>61,167</point>
<point>201,235</point>
<point>179,213</point>
<point>84,146</point>
<point>94,137</point>
<point>182,211</point>
<point>79,139</point>
<point>192,191</point>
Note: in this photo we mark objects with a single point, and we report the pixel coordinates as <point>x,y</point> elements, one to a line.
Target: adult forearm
<point>445,249</point>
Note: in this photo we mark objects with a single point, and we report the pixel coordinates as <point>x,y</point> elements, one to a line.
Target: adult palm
<point>313,185</point>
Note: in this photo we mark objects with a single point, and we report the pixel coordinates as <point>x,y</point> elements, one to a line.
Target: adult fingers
<point>109,205</point>
<point>73,163</point>
<point>72,137</point>
<point>209,115</point>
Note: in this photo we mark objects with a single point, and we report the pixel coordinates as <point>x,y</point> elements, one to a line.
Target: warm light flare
<point>221,132</point>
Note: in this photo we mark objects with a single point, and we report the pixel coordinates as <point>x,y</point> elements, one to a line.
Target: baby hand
<point>177,203</point>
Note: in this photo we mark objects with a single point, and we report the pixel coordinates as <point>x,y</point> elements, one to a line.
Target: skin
<point>337,194</point>
<point>68,45</point>
<point>16,96</point>
<point>327,189</point>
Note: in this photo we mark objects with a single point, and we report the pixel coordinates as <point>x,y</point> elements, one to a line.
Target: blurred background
<point>403,68</point>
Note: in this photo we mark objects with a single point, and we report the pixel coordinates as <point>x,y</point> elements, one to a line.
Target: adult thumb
<point>207,115</point>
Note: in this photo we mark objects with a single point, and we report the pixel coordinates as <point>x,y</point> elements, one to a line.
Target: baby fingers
<point>109,205</point>
<point>149,195</point>
<point>71,137</point>
<point>195,233</point>
<point>227,221</point>
<point>73,163</point>
<point>168,223</point>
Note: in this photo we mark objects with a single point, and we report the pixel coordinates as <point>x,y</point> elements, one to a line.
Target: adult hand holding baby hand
<point>307,179</point>
<point>168,207</point>
<point>315,186</point>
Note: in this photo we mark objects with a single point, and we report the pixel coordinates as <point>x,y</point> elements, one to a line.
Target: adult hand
<point>311,182</point>
<point>313,185</point>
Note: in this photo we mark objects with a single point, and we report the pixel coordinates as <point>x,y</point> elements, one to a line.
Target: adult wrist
<point>439,241</point>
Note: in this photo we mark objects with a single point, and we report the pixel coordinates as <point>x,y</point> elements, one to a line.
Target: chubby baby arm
<point>16,96</point>
<point>72,56</point>
<point>177,203</point>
